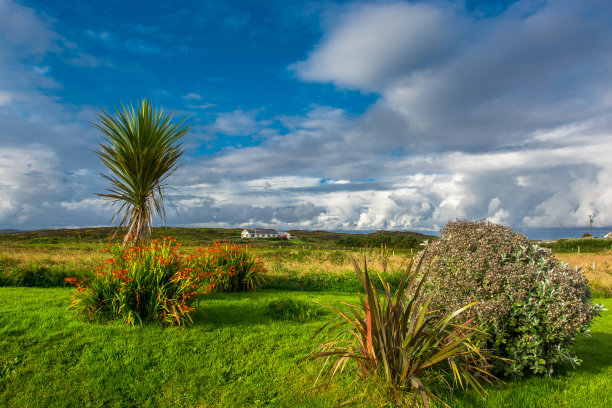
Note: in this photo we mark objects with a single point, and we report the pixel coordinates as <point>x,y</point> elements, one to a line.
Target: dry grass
<point>596,266</point>
<point>69,257</point>
<point>285,262</point>
<point>331,262</point>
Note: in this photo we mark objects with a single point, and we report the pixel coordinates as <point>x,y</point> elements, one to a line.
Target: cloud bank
<point>503,117</point>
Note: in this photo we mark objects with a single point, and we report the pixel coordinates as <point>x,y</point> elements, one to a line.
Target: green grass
<point>588,386</point>
<point>235,355</point>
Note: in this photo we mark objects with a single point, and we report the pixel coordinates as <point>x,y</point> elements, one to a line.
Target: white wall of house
<point>254,233</point>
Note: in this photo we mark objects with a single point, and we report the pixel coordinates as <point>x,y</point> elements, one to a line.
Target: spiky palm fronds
<point>141,150</point>
<point>398,337</point>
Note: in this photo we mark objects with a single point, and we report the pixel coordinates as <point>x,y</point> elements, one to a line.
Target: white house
<point>259,233</point>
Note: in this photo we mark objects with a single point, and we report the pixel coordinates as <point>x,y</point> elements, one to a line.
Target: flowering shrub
<point>229,268</point>
<point>153,282</point>
<point>531,304</point>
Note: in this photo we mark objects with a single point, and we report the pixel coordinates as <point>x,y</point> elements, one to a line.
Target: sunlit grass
<point>234,355</point>
<point>308,266</point>
<point>69,256</point>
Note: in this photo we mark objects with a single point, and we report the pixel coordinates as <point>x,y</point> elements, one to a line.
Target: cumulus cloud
<point>466,82</point>
<point>368,46</point>
<point>34,190</point>
<point>502,117</point>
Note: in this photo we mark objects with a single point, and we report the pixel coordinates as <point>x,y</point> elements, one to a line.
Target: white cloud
<point>503,118</point>
<point>23,31</point>
<point>102,35</point>
<point>236,123</point>
<point>84,60</point>
<point>371,45</point>
<point>201,106</point>
<point>26,175</point>
<point>6,98</point>
<point>469,83</point>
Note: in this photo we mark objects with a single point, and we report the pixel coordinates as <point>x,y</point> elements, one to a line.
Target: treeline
<point>395,240</point>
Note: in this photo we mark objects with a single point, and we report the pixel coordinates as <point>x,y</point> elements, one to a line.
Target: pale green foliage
<point>142,149</point>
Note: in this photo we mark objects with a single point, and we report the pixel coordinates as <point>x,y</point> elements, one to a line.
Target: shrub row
<point>161,282</point>
<point>585,244</point>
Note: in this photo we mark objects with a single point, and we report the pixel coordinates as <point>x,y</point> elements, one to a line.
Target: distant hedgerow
<point>531,304</point>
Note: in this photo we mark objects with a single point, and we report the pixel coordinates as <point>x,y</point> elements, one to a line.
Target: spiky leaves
<point>397,336</point>
<point>142,148</point>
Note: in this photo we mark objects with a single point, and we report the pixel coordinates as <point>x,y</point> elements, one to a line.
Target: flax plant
<point>398,338</point>
<point>141,151</point>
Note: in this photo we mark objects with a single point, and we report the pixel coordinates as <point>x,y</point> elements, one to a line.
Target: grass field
<point>233,356</point>
<point>287,266</point>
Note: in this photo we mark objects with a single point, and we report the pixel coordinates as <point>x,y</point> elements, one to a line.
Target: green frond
<point>141,149</point>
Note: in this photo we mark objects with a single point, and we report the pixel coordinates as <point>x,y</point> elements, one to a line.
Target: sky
<point>369,115</point>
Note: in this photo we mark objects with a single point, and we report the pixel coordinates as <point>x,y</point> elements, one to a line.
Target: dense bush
<point>154,282</point>
<point>229,267</point>
<point>531,304</point>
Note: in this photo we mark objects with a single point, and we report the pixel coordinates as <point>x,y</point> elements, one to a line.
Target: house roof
<point>261,231</point>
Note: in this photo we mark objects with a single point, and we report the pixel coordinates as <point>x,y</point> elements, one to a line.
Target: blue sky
<point>320,115</point>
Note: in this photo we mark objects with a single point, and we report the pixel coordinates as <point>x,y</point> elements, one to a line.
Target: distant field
<point>596,266</point>
<point>198,236</point>
<point>576,245</point>
<point>316,259</point>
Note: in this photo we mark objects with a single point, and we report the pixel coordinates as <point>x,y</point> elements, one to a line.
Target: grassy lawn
<point>233,356</point>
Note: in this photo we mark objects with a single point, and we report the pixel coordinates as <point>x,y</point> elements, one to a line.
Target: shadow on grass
<point>595,351</point>
<point>247,309</point>
<point>228,314</point>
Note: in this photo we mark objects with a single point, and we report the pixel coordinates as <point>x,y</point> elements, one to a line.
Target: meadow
<point>238,352</point>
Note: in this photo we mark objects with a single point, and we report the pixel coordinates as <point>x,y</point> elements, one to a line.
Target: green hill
<point>197,236</point>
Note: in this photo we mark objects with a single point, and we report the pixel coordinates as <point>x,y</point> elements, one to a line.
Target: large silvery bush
<point>531,304</point>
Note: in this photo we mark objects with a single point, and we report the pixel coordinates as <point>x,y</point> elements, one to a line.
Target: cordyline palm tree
<point>142,147</point>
